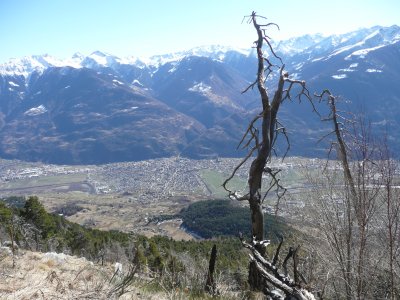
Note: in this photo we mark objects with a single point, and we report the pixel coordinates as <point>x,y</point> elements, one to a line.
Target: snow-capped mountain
<point>37,63</point>
<point>297,45</point>
<point>316,46</point>
<point>99,108</point>
<point>29,64</point>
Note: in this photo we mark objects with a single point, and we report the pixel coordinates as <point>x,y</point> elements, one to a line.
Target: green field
<point>214,180</point>
<point>289,178</point>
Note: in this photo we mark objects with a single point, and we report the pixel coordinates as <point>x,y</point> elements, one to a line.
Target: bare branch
<point>304,91</point>
<point>251,125</point>
<point>274,182</point>
<point>276,256</point>
<point>282,130</point>
<point>237,168</point>
<point>251,86</point>
<point>288,256</point>
<point>272,50</point>
<point>325,136</point>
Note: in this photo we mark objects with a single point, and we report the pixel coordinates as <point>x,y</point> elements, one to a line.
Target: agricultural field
<point>128,196</point>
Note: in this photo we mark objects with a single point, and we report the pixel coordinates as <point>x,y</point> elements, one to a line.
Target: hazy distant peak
<point>78,55</point>
<point>317,44</point>
<point>26,65</point>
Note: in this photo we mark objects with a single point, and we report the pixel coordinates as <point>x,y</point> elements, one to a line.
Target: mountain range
<point>101,108</point>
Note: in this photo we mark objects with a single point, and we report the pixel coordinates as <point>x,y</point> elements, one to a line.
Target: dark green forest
<point>215,218</point>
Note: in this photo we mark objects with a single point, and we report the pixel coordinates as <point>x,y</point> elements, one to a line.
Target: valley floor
<point>127,196</point>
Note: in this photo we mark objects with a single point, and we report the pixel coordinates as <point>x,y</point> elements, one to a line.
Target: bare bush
<point>356,210</point>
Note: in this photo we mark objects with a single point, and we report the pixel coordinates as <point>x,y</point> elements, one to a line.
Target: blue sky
<point>148,27</point>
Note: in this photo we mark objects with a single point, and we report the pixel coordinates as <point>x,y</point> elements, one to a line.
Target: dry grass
<point>59,276</point>
<point>41,276</point>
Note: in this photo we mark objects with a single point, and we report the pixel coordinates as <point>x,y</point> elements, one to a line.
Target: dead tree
<point>260,138</point>
<point>210,286</point>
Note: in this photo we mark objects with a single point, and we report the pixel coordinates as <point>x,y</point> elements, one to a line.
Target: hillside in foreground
<point>106,265</point>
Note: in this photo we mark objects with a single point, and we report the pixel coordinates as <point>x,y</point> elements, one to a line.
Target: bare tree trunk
<point>12,236</point>
<point>211,287</point>
<point>261,141</point>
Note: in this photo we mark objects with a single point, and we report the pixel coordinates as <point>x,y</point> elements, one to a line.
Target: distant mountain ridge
<point>101,108</point>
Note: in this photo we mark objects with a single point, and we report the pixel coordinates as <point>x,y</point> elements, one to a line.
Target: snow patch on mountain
<point>201,88</point>
<point>363,52</point>
<point>115,81</point>
<point>128,110</point>
<point>172,70</point>
<point>207,91</point>
<point>13,84</point>
<point>384,122</point>
<point>346,70</point>
<point>34,111</point>
<point>339,76</point>
<point>351,68</point>
<point>317,59</point>
<point>137,83</point>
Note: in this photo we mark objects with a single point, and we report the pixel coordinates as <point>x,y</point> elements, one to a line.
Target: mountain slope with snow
<point>100,108</point>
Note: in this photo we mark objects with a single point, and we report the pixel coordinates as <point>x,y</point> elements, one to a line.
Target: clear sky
<point>148,27</point>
